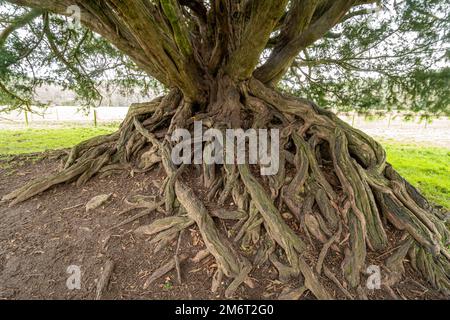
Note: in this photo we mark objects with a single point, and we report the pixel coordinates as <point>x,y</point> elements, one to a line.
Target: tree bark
<point>333,179</point>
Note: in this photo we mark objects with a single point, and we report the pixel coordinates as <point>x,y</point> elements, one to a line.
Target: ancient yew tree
<point>221,62</point>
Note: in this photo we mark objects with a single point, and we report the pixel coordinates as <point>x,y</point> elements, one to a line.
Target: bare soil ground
<point>42,237</point>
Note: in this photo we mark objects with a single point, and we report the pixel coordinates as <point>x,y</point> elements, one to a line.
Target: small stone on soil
<point>97,201</point>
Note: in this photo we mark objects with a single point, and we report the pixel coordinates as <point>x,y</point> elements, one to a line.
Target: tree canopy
<point>344,54</point>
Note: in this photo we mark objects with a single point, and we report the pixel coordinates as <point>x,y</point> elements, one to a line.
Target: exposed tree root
<point>292,293</point>
<point>149,209</point>
<point>102,284</point>
<point>169,266</point>
<point>333,178</point>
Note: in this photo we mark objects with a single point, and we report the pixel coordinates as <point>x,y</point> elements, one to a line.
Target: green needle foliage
<point>42,48</point>
<point>395,57</point>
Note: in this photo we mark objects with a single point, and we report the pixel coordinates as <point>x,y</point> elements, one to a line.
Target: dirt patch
<point>42,237</point>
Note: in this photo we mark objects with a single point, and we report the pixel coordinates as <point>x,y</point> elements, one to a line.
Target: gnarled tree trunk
<point>333,178</point>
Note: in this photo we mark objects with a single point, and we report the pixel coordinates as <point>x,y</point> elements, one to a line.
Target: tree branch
<point>60,56</point>
<point>360,12</point>
<point>181,35</point>
<point>161,41</point>
<point>137,28</point>
<point>280,60</point>
<point>263,19</point>
<point>19,23</point>
<point>197,7</point>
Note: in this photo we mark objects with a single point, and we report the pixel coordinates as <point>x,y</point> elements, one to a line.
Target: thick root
<point>333,179</point>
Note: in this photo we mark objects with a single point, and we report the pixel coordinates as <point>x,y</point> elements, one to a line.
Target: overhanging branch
<point>280,60</point>
<point>19,23</point>
<point>140,30</point>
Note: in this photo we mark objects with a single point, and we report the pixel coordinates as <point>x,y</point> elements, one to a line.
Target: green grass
<point>427,168</point>
<point>39,140</point>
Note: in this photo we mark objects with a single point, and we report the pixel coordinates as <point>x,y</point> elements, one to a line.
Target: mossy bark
<point>334,180</point>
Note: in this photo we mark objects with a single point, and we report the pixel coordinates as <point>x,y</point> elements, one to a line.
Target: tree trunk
<point>333,179</point>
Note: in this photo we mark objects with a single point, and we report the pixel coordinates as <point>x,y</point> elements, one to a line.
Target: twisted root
<point>333,178</point>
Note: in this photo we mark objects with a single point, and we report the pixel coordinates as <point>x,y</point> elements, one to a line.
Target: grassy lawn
<point>39,140</point>
<point>427,168</point>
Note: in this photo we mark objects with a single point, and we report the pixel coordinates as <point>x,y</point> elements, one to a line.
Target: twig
<point>73,207</point>
<point>163,270</point>
<point>330,275</point>
<point>292,293</point>
<point>177,262</point>
<point>139,215</point>
<point>102,284</point>
<point>200,255</point>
